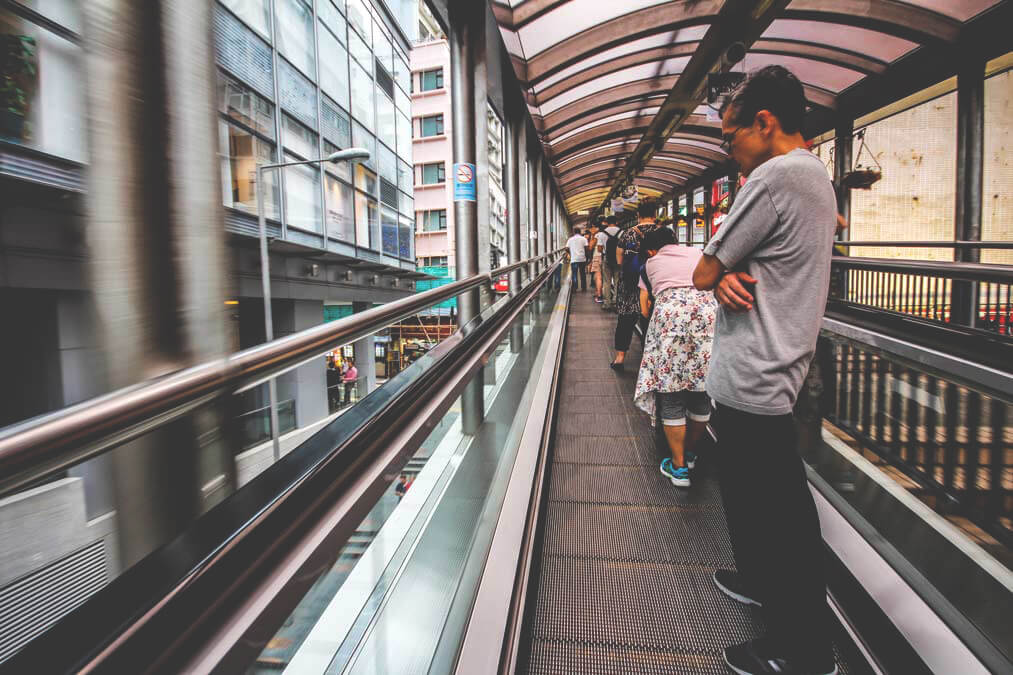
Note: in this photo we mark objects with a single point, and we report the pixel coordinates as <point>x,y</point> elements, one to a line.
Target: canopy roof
<point>616,89</point>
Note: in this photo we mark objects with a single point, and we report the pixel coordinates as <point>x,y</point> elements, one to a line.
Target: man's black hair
<point>611,220</point>
<point>647,209</point>
<point>772,88</point>
<point>599,220</point>
<point>576,230</point>
<point>655,239</point>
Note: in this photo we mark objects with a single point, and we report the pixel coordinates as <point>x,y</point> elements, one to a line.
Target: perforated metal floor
<point>625,573</point>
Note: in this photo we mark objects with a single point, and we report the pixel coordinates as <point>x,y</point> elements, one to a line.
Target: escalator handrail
<point>192,592</point>
<point>42,446</point>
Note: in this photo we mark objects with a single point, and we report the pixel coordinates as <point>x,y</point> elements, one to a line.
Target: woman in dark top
<point>628,289</point>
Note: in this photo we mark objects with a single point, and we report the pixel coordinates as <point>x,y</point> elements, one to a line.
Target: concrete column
<point>157,241</point>
<point>364,350</point>
<point>970,181</point>
<point>467,25</point>
<point>307,384</point>
<point>513,141</point>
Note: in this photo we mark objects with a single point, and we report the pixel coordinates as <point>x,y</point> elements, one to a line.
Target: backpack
<point>611,244</point>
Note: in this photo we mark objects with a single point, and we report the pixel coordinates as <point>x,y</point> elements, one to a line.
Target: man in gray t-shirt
<point>769,266</point>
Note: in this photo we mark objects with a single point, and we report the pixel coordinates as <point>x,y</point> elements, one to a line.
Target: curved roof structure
<point>617,89</point>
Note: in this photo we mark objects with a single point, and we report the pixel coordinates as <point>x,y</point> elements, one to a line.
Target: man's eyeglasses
<point>728,139</point>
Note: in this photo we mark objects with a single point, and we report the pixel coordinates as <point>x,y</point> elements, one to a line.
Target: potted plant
<point>19,77</point>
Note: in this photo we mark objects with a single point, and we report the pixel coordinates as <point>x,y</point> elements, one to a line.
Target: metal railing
<point>979,296</point>
<point>42,446</point>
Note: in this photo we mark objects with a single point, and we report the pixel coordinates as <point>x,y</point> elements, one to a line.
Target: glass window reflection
<point>302,197</point>
<point>295,34</point>
<point>241,151</point>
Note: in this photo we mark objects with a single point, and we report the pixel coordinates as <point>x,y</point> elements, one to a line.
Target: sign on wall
<point>464,182</point>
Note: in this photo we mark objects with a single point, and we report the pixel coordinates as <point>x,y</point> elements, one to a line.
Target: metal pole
<point>969,183</point>
<point>512,133</point>
<point>265,286</point>
<point>843,148</point>
<point>466,23</point>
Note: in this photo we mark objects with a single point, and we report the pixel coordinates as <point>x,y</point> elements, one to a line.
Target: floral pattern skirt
<point>677,348</point>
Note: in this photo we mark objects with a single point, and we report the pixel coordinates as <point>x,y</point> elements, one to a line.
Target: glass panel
<point>299,139</point>
<point>241,151</point>
<point>302,197</point>
<point>363,139</point>
<point>388,230</point>
<point>571,18</point>
<point>333,68</point>
<point>824,75</point>
<point>914,200</point>
<point>850,38</point>
<point>404,176</point>
<point>332,19</point>
<point>367,221</point>
<point>340,210</point>
<point>358,17</point>
<point>404,137</point>
<point>42,102</point>
<point>407,203</point>
<point>646,71</point>
<point>365,179</point>
<point>243,105</point>
<point>335,124</point>
<point>997,210</point>
<point>256,14</point>
<point>402,102</point>
<point>432,125</point>
<point>298,95</point>
<point>386,162</point>
<point>402,73</point>
<point>363,97</point>
<point>342,169</point>
<point>295,35</point>
<point>385,119</point>
<point>383,49</point>
<point>360,51</point>
<point>406,239</point>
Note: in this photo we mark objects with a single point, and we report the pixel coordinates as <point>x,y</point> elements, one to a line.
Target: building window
<point>432,125</point>
<point>245,106</point>
<point>434,221</point>
<point>388,229</point>
<point>333,68</point>
<point>256,14</point>
<point>332,19</point>
<point>342,170</point>
<point>302,196</point>
<point>295,35</point>
<point>404,137</point>
<point>434,261</point>
<point>433,174</point>
<point>432,79</point>
<point>363,97</point>
<point>241,151</point>
<point>367,221</point>
<point>43,89</point>
<point>385,115</point>
<point>299,139</point>
<point>340,210</point>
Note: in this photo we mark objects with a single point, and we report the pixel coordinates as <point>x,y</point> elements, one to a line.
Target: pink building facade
<point>432,155</point>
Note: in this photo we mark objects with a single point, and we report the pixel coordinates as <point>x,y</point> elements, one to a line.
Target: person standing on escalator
<point>769,267</point>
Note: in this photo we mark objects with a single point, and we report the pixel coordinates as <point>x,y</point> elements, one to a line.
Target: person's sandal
<point>618,367</point>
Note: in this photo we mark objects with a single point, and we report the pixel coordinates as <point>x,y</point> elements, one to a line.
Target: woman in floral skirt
<point>677,349</point>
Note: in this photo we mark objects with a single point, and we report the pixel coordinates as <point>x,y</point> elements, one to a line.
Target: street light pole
<point>361,154</point>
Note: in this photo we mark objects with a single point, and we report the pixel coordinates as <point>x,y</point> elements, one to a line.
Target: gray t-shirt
<point>780,231</point>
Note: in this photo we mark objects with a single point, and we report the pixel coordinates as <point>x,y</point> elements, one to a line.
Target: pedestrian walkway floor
<point>625,574</point>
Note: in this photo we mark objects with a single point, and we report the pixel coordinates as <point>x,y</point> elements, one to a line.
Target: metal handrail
<point>929,244</point>
<point>41,446</point>
<point>953,270</point>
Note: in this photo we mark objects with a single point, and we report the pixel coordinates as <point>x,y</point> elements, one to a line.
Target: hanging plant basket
<point>862,177</point>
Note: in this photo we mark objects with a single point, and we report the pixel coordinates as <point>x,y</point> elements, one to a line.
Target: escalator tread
<point>624,580</point>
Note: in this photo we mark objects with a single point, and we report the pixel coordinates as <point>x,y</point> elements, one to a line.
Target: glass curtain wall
<point>322,76</point>
<point>997,210</point>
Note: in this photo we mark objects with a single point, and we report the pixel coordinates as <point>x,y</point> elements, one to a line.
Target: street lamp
<point>352,154</point>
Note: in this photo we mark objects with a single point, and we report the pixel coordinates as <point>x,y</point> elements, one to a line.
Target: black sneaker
<point>748,659</point>
<point>729,583</point>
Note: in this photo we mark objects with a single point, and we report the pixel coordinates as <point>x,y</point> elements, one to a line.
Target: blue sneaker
<point>678,475</point>
<point>690,460</point>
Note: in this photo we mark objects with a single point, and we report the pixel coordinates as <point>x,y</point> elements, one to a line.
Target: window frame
<point>441,129</point>
<point>440,85</point>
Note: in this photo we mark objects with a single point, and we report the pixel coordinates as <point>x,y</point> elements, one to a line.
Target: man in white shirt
<point>577,245</point>
<point>609,266</point>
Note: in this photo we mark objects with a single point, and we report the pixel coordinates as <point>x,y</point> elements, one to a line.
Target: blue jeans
<point>581,268</point>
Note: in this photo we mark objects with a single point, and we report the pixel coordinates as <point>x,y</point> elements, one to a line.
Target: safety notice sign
<point>464,182</point>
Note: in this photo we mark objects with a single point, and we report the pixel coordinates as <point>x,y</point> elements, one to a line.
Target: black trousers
<point>775,530</point>
<point>624,330</point>
<point>580,267</point>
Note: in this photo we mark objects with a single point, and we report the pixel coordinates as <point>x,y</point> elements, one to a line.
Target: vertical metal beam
<point>537,199</point>
<point>514,130</point>
<point>467,21</point>
<point>843,148</point>
<point>158,247</point>
<point>969,180</point>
